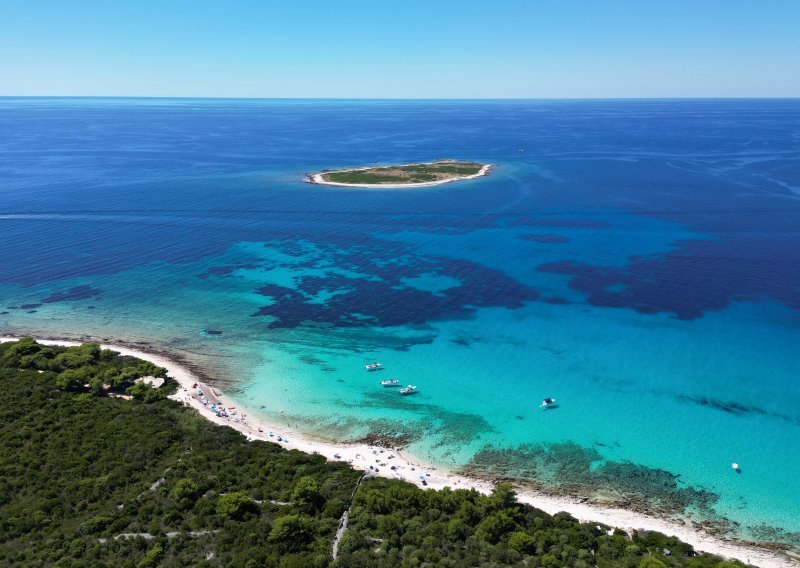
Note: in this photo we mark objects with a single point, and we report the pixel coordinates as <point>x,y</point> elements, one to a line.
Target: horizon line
<point>171,97</point>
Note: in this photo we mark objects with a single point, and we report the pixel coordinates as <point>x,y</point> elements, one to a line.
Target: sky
<point>400,49</point>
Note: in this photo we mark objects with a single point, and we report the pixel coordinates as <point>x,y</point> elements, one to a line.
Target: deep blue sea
<point>637,260</point>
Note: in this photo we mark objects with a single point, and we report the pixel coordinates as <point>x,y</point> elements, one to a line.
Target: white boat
<point>548,403</point>
<point>390,383</point>
<point>373,366</point>
<point>408,390</point>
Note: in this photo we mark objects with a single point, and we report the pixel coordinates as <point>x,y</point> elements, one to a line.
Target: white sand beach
<point>318,179</point>
<point>395,464</point>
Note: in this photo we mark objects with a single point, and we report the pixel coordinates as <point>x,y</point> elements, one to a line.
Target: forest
<point>99,468</point>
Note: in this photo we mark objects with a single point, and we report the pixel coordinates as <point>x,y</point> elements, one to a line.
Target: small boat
<point>410,389</point>
<point>373,366</point>
<point>390,383</point>
<point>548,403</point>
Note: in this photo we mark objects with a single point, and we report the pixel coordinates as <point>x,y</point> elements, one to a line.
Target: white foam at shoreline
<point>408,468</point>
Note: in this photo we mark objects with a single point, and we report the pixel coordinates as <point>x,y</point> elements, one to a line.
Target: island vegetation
<point>88,478</point>
<point>423,173</point>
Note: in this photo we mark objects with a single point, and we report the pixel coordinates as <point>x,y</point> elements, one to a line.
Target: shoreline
<point>317,179</point>
<point>410,469</point>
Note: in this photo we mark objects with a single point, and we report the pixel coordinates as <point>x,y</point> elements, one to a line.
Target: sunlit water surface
<point>636,260</point>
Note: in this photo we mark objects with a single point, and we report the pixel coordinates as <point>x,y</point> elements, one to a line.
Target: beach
<point>319,180</point>
<point>392,463</point>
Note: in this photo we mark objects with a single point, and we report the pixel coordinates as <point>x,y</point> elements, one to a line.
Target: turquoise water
<point>636,260</point>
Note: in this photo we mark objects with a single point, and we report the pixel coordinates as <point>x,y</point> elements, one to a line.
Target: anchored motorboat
<point>390,383</point>
<point>410,389</point>
<point>373,366</point>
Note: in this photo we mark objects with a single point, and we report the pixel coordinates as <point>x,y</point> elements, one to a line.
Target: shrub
<point>291,533</point>
<point>522,542</point>
<point>306,495</point>
<point>185,492</point>
<point>235,506</point>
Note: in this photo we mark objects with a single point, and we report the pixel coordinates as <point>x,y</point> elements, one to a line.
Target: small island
<point>407,175</point>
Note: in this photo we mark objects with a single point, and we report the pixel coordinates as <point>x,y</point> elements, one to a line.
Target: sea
<point>636,260</point>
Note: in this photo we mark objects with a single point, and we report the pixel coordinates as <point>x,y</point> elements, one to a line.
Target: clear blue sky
<point>399,49</point>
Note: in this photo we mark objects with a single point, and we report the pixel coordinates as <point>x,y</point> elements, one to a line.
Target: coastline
<point>409,468</point>
<point>317,179</point>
